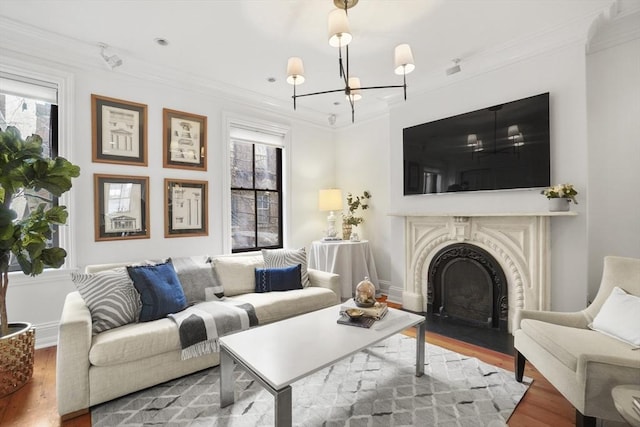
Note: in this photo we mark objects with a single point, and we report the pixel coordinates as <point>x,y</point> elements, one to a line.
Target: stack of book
<point>370,314</point>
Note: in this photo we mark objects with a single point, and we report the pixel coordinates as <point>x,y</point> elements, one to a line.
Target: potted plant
<point>24,172</point>
<point>349,219</point>
<point>560,196</point>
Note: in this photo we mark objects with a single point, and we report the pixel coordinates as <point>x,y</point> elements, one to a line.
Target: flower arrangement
<point>354,203</point>
<point>561,191</point>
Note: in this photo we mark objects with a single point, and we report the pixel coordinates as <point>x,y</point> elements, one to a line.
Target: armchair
<point>583,364</point>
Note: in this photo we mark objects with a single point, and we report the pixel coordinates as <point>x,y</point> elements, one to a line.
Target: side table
<point>623,400</point>
<point>351,260</point>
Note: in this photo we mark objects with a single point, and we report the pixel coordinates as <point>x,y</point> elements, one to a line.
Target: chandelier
<point>340,37</point>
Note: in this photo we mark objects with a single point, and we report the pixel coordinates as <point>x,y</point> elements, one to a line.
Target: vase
<point>17,352</point>
<point>346,231</point>
<point>559,204</point>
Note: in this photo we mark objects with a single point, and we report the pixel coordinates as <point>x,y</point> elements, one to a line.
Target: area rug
<point>375,387</point>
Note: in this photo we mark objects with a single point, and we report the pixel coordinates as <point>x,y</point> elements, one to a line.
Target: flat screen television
<point>501,147</point>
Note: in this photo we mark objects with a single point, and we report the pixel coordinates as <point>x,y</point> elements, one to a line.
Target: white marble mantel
<point>519,241</point>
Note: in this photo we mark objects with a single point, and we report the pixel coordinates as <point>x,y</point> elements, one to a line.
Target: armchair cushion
<point>619,317</point>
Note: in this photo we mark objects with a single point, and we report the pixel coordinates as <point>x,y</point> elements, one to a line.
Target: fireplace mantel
<point>480,214</point>
<point>519,241</point>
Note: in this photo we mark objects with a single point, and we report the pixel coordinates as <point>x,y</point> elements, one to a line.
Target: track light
<point>454,68</point>
<point>112,61</point>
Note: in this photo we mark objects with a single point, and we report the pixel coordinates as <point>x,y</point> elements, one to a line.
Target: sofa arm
<point>574,320</point>
<point>72,364</point>
<point>325,279</point>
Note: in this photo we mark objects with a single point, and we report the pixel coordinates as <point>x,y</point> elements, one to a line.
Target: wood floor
<point>35,404</point>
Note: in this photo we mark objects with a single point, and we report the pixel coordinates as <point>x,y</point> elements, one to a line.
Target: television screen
<point>501,147</point>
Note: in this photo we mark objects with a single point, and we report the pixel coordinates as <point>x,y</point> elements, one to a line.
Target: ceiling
<point>237,46</point>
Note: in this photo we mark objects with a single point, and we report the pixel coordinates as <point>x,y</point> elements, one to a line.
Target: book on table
<point>361,322</point>
<point>377,312</point>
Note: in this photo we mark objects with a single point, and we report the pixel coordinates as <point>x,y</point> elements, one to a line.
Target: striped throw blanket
<point>200,325</point>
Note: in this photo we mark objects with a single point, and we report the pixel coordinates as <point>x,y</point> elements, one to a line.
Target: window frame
<point>64,82</point>
<point>281,131</point>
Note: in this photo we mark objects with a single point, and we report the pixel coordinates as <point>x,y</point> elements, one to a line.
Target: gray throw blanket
<point>201,325</point>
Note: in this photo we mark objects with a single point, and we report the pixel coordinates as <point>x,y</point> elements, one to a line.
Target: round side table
<point>623,400</point>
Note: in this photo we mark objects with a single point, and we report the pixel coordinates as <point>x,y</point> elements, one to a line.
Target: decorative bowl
<point>354,313</point>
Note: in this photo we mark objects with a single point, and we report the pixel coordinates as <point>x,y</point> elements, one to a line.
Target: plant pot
<point>559,204</point>
<point>16,357</point>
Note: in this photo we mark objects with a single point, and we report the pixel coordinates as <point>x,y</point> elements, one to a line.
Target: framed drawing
<point>121,205</point>
<point>185,140</point>
<point>119,131</point>
<point>185,212</point>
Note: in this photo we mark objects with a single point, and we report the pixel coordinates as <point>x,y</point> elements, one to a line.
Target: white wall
<point>362,162</point>
<point>613,99</point>
<point>311,159</point>
<point>560,72</point>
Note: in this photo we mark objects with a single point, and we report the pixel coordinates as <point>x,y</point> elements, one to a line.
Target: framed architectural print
<point>185,208</point>
<point>185,140</point>
<point>119,131</point>
<point>121,205</point>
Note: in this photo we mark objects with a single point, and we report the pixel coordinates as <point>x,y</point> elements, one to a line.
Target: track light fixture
<point>340,37</point>
<point>112,61</point>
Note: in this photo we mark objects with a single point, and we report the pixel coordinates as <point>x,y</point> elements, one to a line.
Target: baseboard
<point>46,334</point>
<point>394,294</point>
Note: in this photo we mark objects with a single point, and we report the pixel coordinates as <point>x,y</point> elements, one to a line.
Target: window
<point>256,190</point>
<point>30,106</point>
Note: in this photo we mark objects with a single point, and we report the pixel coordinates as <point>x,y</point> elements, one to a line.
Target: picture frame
<point>184,140</point>
<point>186,208</point>
<point>121,206</point>
<point>119,131</point>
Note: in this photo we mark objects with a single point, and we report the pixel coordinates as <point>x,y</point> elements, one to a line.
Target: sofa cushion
<point>198,278</point>
<point>237,273</point>
<point>134,341</point>
<point>111,297</point>
<point>274,306</point>
<point>569,344</point>
<point>276,258</point>
<point>278,279</point>
<point>160,290</point>
<point>619,317</point>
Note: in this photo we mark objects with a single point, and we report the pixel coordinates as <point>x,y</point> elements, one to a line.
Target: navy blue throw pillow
<point>278,279</point>
<point>160,290</point>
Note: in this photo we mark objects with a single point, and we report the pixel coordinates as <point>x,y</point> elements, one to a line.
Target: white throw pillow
<point>619,317</point>
<point>237,274</point>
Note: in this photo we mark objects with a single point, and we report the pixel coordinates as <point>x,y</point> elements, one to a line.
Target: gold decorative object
<point>16,358</point>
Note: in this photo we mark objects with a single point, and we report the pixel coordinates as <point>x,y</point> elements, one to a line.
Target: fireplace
<point>452,259</point>
<point>467,285</point>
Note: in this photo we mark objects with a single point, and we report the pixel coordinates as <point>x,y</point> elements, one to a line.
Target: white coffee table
<point>280,353</point>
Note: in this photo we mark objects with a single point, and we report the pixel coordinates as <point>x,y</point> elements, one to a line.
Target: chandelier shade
<point>404,59</point>
<point>339,33</point>
<point>340,36</point>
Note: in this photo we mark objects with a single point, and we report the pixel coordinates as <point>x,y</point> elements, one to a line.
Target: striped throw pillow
<point>111,297</point>
<point>278,258</point>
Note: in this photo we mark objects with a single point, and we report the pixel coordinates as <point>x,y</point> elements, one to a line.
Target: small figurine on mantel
<point>365,294</point>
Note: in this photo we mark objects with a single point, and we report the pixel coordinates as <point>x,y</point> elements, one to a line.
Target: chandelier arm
<point>320,93</point>
<point>353,109</point>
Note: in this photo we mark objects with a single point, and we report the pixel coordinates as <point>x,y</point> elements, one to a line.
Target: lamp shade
<point>330,199</point>
<point>354,86</point>
<point>513,131</point>
<point>339,33</point>
<point>472,139</point>
<point>404,59</point>
<point>295,71</point>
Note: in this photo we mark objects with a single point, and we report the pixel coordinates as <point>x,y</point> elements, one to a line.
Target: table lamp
<point>330,200</point>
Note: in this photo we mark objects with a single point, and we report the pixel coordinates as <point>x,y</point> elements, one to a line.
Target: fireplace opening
<point>467,285</point>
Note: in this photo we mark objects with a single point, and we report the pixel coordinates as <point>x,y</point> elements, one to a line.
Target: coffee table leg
<point>421,329</point>
<point>282,401</point>
<point>226,379</point>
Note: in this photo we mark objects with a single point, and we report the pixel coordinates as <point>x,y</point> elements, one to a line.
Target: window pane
<point>268,218</point>
<point>241,165</point>
<point>243,219</point>
<point>266,167</point>
<point>29,116</point>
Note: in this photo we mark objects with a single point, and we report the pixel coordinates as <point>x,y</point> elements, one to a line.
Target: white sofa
<point>92,369</point>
